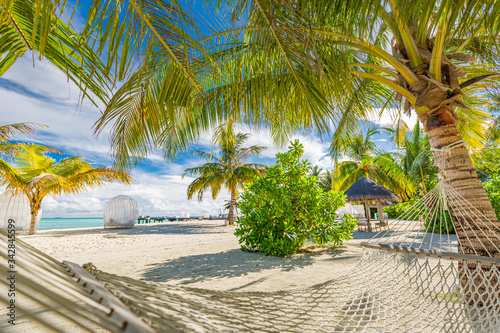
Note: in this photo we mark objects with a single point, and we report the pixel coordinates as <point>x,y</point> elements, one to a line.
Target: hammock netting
<point>416,276</point>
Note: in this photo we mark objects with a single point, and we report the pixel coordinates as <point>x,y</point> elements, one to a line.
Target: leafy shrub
<point>492,187</point>
<point>411,209</point>
<point>443,224</point>
<point>286,207</point>
<point>400,209</point>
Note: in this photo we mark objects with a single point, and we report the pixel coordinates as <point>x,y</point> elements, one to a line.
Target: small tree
<point>36,175</point>
<point>286,207</point>
<point>228,170</point>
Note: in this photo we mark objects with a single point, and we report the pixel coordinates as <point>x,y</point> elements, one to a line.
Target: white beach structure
<point>16,208</point>
<point>121,212</point>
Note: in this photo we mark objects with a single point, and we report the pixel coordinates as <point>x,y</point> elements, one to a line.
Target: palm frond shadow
<point>198,268</point>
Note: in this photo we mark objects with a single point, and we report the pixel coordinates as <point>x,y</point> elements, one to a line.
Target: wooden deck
<point>150,219</point>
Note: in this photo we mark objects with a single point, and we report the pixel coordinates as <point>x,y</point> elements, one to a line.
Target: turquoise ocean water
<point>69,223</point>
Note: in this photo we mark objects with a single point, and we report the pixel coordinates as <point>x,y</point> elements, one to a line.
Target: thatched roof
<point>385,203</point>
<point>366,189</point>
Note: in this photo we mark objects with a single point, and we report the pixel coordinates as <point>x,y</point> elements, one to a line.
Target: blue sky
<point>38,92</point>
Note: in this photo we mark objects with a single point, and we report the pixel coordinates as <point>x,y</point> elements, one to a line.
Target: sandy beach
<point>202,254</point>
<point>194,253</point>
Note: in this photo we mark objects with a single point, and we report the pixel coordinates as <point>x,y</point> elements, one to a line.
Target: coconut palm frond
<point>10,131</point>
<point>40,26</point>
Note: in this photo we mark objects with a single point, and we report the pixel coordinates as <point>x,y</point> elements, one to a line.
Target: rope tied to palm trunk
<point>442,173</point>
<point>445,150</point>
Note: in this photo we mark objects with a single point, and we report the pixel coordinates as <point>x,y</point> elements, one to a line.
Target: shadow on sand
<point>232,263</point>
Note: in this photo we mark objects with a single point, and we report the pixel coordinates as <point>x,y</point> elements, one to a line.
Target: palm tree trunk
<point>459,173</point>
<point>34,214</point>
<point>475,234</point>
<point>232,203</point>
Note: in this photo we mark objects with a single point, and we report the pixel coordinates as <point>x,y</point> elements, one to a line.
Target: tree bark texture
<point>34,214</point>
<point>475,233</point>
<point>232,203</point>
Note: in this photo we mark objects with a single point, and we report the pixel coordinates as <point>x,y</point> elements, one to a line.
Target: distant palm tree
<point>315,171</point>
<point>36,175</point>
<point>326,180</point>
<point>416,158</point>
<point>366,160</point>
<point>228,170</point>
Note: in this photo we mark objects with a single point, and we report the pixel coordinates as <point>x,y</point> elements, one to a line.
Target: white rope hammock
<point>408,280</point>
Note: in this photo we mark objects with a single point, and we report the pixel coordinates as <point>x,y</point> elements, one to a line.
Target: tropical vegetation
<point>492,187</point>
<point>364,159</point>
<point>290,65</point>
<point>229,170</point>
<point>35,174</point>
<point>415,157</point>
<point>286,208</point>
<point>487,157</point>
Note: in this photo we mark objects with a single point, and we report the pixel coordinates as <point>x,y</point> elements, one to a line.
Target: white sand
<point>202,254</point>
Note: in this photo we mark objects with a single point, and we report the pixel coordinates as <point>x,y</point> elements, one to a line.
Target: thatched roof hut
<point>366,190</point>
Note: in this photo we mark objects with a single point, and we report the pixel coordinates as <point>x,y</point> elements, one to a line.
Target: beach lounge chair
<point>358,211</point>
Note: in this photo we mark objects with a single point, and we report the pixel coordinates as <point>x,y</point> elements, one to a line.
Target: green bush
<point>492,187</point>
<point>286,207</point>
<point>400,209</point>
<point>412,210</point>
<point>441,225</point>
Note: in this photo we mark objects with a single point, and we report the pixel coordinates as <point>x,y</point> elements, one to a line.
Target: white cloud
<point>71,203</point>
<point>156,195</point>
<point>389,117</point>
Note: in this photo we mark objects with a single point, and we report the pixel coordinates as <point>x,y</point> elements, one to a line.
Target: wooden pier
<point>150,219</point>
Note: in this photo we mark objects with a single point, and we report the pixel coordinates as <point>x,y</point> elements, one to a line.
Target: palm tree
<point>366,160</point>
<point>430,43</point>
<point>295,64</point>
<point>228,170</point>
<point>315,171</point>
<point>415,157</point>
<point>326,181</point>
<point>36,175</point>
